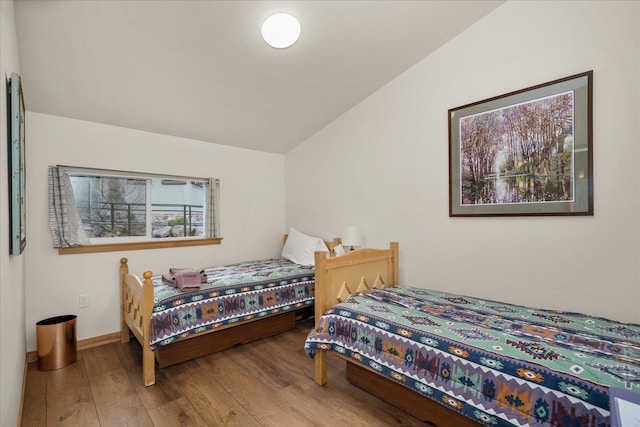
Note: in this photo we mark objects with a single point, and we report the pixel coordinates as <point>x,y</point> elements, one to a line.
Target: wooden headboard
<point>339,277</point>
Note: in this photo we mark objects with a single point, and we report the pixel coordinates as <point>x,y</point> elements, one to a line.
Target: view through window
<point>145,207</point>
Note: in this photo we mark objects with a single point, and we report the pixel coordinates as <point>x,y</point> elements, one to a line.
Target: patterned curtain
<point>213,199</point>
<point>64,219</point>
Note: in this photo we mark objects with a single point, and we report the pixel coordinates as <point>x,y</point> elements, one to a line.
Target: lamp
<point>280,30</point>
<point>351,236</point>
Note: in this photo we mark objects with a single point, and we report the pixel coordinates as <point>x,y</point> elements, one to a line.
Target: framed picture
<point>625,407</point>
<point>17,172</point>
<point>527,152</point>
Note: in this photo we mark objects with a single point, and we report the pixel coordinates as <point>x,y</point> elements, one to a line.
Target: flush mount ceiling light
<point>280,30</point>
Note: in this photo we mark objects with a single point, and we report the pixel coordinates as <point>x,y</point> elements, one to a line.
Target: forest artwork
<point>519,154</point>
<point>17,165</point>
<point>527,152</point>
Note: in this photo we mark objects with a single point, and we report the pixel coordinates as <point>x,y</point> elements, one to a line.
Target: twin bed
<point>448,359</point>
<point>238,304</point>
<point>455,360</point>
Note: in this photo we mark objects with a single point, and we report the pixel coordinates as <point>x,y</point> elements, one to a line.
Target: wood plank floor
<point>265,383</point>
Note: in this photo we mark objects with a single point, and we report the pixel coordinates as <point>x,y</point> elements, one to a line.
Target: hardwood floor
<point>265,383</point>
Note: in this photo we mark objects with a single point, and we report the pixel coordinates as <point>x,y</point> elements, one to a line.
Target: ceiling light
<point>280,30</point>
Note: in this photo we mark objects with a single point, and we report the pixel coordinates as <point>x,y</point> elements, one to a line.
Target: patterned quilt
<point>233,293</point>
<point>496,363</point>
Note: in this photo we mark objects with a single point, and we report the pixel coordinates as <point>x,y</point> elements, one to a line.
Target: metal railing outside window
<point>107,219</point>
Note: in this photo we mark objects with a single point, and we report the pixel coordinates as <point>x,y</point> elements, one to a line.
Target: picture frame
<point>528,152</point>
<point>17,166</point>
<point>625,407</point>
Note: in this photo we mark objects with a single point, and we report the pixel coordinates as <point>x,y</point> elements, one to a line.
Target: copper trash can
<point>56,342</point>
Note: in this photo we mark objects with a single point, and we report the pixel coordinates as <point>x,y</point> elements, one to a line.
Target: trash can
<point>56,338</point>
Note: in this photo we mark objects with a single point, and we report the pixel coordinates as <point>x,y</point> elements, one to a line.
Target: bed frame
<point>135,319</point>
<point>338,278</point>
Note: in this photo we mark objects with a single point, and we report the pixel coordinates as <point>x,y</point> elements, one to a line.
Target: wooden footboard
<point>338,278</point>
<point>135,315</point>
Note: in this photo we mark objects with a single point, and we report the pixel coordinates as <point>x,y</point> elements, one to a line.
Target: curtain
<point>64,219</point>
<point>213,203</point>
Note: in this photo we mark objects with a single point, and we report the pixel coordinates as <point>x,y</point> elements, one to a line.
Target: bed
<point>239,303</point>
<point>455,360</point>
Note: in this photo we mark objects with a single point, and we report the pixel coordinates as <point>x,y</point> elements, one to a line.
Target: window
<point>120,207</point>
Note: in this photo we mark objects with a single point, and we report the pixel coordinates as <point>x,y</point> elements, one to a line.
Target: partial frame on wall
<point>17,169</point>
<point>528,152</point>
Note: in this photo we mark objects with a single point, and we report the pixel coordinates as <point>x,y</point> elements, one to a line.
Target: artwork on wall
<point>17,171</point>
<point>527,152</point>
<point>625,407</point>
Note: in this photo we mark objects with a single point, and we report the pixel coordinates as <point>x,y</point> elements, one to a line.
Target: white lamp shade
<point>280,30</point>
<point>352,236</point>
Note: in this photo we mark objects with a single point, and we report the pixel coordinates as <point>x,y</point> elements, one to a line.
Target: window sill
<point>114,247</point>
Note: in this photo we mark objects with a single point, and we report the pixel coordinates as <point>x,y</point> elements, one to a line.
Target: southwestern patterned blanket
<point>497,363</point>
<point>233,293</point>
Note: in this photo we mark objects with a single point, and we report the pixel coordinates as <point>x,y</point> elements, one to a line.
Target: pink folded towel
<point>203,275</point>
<point>185,279</point>
<point>169,279</point>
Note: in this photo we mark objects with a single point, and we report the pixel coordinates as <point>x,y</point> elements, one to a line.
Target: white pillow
<point>300,248</point>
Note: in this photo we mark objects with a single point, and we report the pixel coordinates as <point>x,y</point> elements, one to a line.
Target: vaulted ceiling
<point>200,69</point>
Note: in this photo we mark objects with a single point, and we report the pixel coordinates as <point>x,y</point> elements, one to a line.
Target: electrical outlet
<point>83,301</point>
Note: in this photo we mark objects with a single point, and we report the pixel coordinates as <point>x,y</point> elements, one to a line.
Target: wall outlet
<point>83,301</point>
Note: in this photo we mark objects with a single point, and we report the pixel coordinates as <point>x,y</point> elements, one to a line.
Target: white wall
<point>252,214</point>
<point>384,164</point>
<point>12,282</point>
